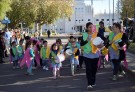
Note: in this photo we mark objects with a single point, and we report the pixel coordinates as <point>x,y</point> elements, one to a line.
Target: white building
<point>82,14</point>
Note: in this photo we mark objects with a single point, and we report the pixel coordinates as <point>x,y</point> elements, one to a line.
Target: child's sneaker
<point>44,67</point>
<point>30,74</point>
<point>34,67</point>
<point>17,67</point>
<point>54,77</point>
<point>90,87</point>
<point>114,78</point>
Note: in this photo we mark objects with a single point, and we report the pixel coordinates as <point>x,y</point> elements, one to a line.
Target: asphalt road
<point>16,80</point>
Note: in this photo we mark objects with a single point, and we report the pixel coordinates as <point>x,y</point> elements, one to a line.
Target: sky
<point>100,6</point>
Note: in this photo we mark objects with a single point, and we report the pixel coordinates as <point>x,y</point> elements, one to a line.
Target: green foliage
<point>132,47</point>
<point>39,11</point>
<point>4,7</point>
<point>127,6</point>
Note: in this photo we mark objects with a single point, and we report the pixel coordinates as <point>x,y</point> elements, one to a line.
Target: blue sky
<point>102,5</point>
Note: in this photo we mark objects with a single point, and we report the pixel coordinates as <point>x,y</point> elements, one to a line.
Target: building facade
<point>82,14</point>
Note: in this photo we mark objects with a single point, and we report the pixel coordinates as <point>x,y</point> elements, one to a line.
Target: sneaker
<point>94,85</point>
<point>30,74</point>
<point>123,72</point>
<point>59,76</point>
<point>54,77</point>
<point>44,67</point>
<point>17,67</point>
<point>34,67</point>
<point>89,87</point>
<point>114,77</point>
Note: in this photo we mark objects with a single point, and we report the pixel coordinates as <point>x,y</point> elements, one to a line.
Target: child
<point>28,58</point>
<point>74,58</point>
<point>59,43</point>
<point>44,54</point>
<point>37,54</point>
<point>53,55</point>
<point>14,55</point>
<point>20,50</point>
<point>81,55</point>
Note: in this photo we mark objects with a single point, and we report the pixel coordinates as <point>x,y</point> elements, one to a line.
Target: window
<point>102,20</point>
<point>113,19</point>
<point>97,19</point>
<point>69,19</point>
<point>76,20</point>
<point>107,19</point>
<point>82,19</point>
<point>89,20</point>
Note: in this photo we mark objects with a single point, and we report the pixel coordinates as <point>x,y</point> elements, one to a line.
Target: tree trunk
<point>36,26</point>
<point>40,27</point>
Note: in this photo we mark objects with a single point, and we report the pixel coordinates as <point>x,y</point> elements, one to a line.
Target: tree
<point>4,7</point>
<point>127,7</point>
<point>39,11</point>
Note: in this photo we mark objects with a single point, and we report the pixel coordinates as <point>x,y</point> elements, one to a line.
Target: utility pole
<point>109,13</point>
<point>113,11</point>
<point>118,10</point>
<point>92,11</point>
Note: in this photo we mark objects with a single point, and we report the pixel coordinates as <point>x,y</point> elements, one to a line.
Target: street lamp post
<point>126,19</point>
<point>109,12</point>
<point>113,11</point>
<point>134,24</point>
<point>92,10</point>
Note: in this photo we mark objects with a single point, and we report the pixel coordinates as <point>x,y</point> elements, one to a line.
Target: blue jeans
<point>15,63</point>
<point>29,70</point>
<point>74,61</point>
<point>45,62</point>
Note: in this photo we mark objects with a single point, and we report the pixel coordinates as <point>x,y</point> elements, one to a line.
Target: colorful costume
<point>20,52</point>
<point>44,54</point>
<point>91,56</point>
<point>14,56</point>
<point>116,50</point>
<point>28,59</point>
<point>37,55</point>
<point>53,55</point>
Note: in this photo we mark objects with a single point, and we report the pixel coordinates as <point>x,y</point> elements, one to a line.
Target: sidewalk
<point>131,63</point>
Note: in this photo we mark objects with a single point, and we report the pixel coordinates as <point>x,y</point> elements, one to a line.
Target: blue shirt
<point>31,53</point>
<point>101,31</point>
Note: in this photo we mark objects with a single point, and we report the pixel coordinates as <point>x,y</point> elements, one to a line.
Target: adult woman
<point>117,40</point>
<point>90,54</point>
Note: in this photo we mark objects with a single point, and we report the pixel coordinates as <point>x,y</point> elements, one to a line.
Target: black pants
<point>41,64</point>
<point>35,63</point>
<point>81,61</point>
<point>91,69</point>
<point>15,63</point>
<point>1,55</point>
<point>117,66</point>
<point>48,35</point>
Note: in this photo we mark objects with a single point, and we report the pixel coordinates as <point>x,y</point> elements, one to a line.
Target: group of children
<point>37,53</point>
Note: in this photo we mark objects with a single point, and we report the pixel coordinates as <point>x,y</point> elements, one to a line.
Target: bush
<point>132,47</point>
